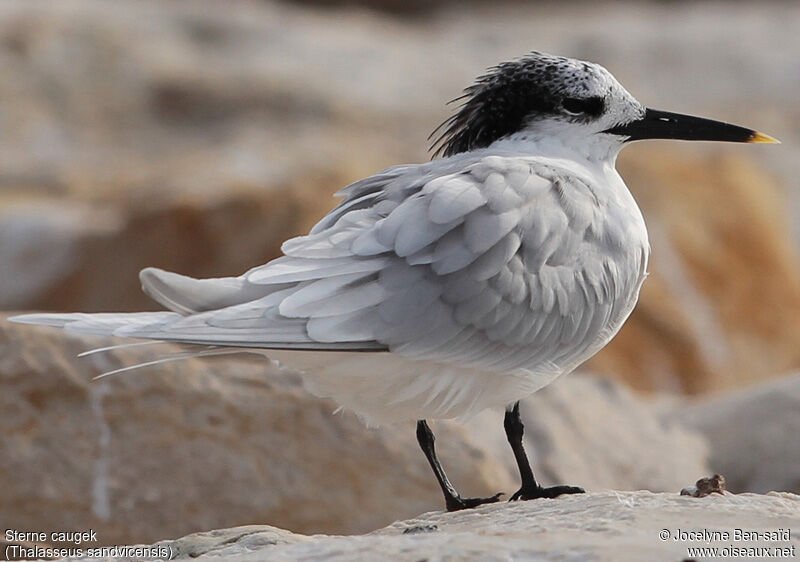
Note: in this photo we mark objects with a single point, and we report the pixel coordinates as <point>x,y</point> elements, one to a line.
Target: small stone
<point>420,529</point>
<point>705,486</point>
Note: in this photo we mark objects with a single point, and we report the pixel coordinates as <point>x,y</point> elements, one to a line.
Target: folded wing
<point>479,262</point>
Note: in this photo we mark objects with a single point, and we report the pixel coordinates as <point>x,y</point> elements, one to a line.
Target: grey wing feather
<point>187,295</point>
<point>479,261</point>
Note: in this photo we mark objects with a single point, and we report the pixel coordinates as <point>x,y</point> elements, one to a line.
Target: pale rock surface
<point>41,243</point>
<point>612,526</point>
<point>210,132</point>
<point>231,441</point>
<point>222,442</point>
<point>720,307</point>
<point>754,434</point>
<point>62,254</point>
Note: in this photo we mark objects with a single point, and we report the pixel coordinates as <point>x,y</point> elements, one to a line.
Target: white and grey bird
<point>437,290</point>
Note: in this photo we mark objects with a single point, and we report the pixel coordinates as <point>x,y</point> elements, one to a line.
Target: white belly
<point>384,388</point>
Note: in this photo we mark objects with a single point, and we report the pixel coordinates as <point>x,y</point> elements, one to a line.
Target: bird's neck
<point>592,151</point>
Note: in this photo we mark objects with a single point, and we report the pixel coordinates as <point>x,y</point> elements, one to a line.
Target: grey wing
<point>485,263</point>
<point>504,265</point>
<point>318,272</point>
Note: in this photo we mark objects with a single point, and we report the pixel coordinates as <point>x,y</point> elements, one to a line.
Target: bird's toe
<point>460,503</point>
<point>537,492</point>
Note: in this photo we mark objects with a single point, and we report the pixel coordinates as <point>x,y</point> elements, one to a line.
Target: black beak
<point>665,125</point>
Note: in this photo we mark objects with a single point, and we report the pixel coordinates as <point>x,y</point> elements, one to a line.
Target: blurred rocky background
<point>196,137</point>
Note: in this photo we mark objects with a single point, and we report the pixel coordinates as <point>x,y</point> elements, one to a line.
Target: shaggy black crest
<point>502,100</point>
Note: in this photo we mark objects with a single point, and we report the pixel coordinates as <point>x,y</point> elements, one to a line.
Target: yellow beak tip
<point>761,138</point>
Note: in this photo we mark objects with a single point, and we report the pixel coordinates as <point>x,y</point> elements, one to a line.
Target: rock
<point>753,435</point>
<point>232,441</point>
<point>720,308</point>
<point>41,245</point>
<point>222,442</point>
<point>597,434</point>
<point>403,7</point>
<point>197,139</point>
<point>620,526</point>
<point>712,485</point>
<point>72,255</point>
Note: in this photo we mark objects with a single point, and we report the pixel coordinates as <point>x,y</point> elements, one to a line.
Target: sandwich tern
<point>437,290</point>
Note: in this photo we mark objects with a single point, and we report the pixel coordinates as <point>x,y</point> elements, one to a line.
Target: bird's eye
<point>586,106</point>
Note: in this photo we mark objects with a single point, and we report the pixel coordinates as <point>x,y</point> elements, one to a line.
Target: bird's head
<point>575,103</point>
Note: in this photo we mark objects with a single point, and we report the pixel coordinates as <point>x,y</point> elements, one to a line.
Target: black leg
<point>453,501</point>
<point>530,487</point>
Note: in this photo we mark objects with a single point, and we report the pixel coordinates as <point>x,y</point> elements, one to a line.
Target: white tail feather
<point>174,357</point>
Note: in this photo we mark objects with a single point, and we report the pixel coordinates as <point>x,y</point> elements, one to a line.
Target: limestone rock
<point>222,442</point>
<point>79,255</point>
<point>753,435</point>
<point>619,526</point>
<point>234,441</point>
<point>198,138</point>
<point>720,308</point>
<point>40,245</point>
